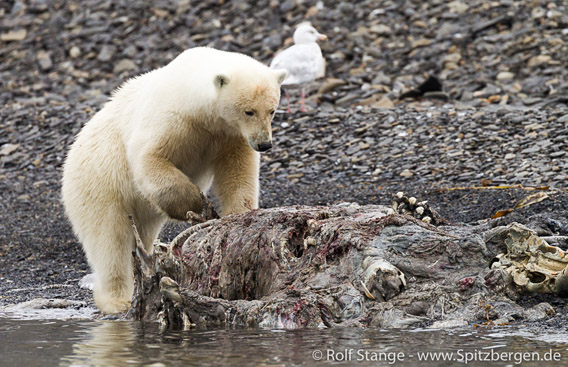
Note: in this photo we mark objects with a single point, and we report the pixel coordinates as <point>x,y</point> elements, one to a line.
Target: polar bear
<point>164,138</point>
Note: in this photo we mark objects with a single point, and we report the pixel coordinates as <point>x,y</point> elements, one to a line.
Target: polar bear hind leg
<point>109,247</point>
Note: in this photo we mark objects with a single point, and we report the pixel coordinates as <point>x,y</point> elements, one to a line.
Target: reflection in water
<point>111,343</point>
<point>106,343</point>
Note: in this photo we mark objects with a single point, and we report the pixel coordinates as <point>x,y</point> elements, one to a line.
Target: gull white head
<point>305,33</point>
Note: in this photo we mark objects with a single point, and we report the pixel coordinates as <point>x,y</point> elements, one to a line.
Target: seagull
<point>303,61</point>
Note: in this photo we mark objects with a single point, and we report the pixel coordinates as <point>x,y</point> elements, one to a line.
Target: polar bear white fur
<point>164,138</point>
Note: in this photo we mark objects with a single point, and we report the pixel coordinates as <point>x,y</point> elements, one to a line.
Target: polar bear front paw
<point>177,200</point>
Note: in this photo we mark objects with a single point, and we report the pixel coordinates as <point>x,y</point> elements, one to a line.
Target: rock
<point>380,29</point>
<point>553,14</point>
<point>330,84</point>
<point>106,53</point>
<point>370,100</point>
<point>421,43</point>
<point>50,308</point>
<point>124,65</point>
<point>44,60</point>
<point>452,58</point>
<point>505,75</point>
<point>130,51</point>
<point>396,319</point>
<point>287,6</point>
<point>448,29</point>
<point>381,79</point>
<point>542,311</point>
<point>448,324</point>
<point>16,35</point>
<point>531,100</point>
<point>344,101</point>
<point>42,303</point>
<point>74,52</point>
<point>457,7</point>
<point>539,60</point>
<point>384,102</point>
<point>8,149</point>
<point>274,41</point>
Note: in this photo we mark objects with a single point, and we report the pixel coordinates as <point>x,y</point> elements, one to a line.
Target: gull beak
<point>322,37</point>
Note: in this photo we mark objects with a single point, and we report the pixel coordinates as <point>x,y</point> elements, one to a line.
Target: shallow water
<point>29,343</point>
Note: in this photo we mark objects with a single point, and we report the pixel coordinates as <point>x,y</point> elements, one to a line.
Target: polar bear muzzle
<point>263,147</point>
<point>261,142</point>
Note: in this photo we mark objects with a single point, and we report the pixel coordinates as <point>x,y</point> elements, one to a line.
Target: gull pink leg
<point>303,101</point>
<point>288,102</point>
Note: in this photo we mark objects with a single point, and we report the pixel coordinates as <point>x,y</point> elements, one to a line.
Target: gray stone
<point>44,60</point>
<point>124,65</point>
<point>106,53</point>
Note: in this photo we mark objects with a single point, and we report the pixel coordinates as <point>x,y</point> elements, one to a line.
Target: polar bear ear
<point>221,80</point>
<point>280,74</point>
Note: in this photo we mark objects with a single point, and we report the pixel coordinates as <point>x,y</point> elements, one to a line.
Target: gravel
<point>500,116</point>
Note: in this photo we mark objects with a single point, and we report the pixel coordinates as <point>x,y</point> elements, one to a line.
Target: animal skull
<point>534,265</point>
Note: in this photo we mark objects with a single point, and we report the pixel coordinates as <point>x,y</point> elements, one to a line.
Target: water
<point>30,343</point>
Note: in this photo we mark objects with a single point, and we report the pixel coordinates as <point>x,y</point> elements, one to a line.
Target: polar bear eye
<point>249,113</point>
<point>272,112</point>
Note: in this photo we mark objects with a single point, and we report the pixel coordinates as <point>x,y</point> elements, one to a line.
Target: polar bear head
<point>247,103</point>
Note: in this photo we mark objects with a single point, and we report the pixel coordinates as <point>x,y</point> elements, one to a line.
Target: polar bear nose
<point>263,147</point>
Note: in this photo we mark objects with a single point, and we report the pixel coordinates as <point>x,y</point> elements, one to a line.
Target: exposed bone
<point>170,289</point>
<point>296,267</point>
<point>534,265</point>
<point>145,259</point>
